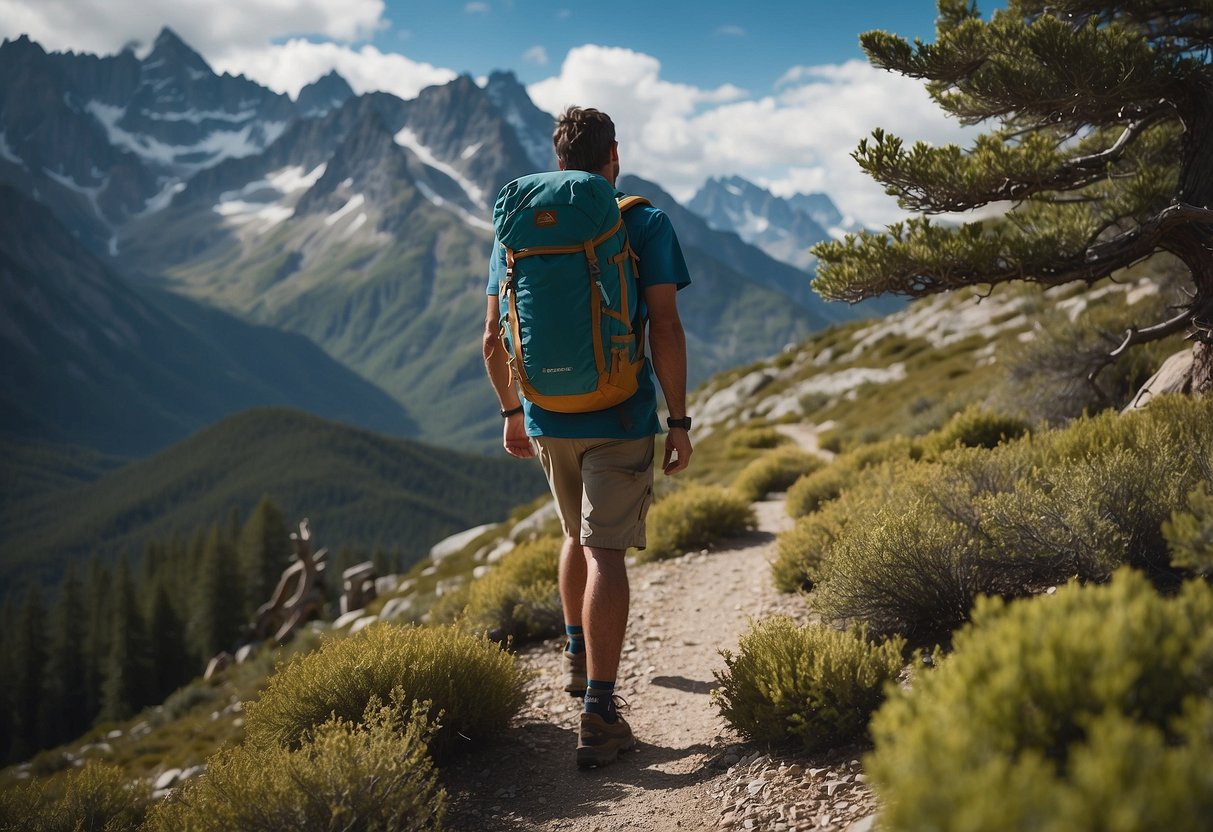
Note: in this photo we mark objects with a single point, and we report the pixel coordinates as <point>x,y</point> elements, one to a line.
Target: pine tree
<point>1102,115</point>
<point>8,723</point>
<point>28,657</point>
<point>127,685</point>
<point>170,661</point>
<point>66,688</point>
<point>264,551</point>
<point>218,601</point>
<point>96,635</point>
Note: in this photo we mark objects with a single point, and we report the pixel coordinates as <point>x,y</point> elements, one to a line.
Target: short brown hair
<point>583,139</point>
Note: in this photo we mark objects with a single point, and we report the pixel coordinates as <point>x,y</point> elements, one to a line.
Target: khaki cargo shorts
<point>603,487</point>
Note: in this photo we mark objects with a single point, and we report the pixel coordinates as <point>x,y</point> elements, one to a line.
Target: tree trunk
<point>1202,370</point>
<point>1195,243</point>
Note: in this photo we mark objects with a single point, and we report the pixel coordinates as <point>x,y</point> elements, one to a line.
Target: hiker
<point>599,463</point>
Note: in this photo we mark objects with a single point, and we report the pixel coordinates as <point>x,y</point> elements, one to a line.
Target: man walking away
<point>599,464</point>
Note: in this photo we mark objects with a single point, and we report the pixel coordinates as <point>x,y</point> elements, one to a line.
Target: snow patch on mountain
<point>241,212</point>
<point>408,139</point>
<point>7,153</point>
<point>214,148</point>
<point>355,202</point>
<point>278,189</point>
<point>470,151</point>
<point>463,214</point>
<point>89,193</point>
<point>199,116</point>
<point>162,200</point>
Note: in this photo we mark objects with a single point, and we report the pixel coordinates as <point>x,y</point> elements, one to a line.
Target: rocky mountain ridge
<point>784,228</point>
<point>358,221</point>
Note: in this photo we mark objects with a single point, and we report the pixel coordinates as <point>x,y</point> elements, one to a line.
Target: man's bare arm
<point>668,345</point>
<point>514,438</point>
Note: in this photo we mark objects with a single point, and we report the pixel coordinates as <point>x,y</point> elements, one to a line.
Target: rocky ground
<point>689,770</point>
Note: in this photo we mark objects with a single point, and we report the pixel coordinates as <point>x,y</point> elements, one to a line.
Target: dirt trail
<point>689,771</point>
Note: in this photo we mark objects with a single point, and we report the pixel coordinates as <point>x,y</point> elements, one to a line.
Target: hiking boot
<point>574,673</point>
<point>600,742</point>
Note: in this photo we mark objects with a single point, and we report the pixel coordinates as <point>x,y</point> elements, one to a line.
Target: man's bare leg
<point>604,610</point>
<point>572,580</point>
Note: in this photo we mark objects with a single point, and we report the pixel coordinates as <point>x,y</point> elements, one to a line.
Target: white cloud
<point>290,66</point>
<point>536,55</point>
<point>731,31</point>
<point>214,29</point>
<point>799,138</point>
<point>476,8</point>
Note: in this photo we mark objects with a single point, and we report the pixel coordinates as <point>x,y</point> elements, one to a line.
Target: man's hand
<point>516,442</point>
<point>678,451</point>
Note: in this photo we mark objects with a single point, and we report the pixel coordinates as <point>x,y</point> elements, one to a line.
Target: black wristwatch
<point>505,414</point>
<point>684,422</point>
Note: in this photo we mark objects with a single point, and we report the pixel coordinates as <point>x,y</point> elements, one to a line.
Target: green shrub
<point>474,684</point>
<point>695,517</point>
<point>754,437</point>
<point>973,427</point>
<point>799,551</point>
<point>775,471</point>
<point>906,569</point>
<point>370,776</point>
<point>810,493</point>
<point>1013,520</point>
<point>802,551</point>
<point>98,796</point>
<point>1190,533</point>
<point>813,686</point>
<point>1086,710</point>
<point>519,599</point>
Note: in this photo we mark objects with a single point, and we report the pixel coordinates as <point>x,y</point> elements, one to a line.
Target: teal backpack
<point>569,298</point>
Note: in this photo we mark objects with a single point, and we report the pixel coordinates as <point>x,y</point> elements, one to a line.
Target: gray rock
<point>398,608</point>
<point>451,545</point>
<point>363,623</point>
<point>1174,376</point>
<point>349,618</point>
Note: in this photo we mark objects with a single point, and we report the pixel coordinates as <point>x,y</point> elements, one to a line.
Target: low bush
<point>695,517</point>
<point>1085,710</point>
<point>375,775</point>
<point>973,427</point>
<point>906,569</point>
<point>802,552</point>
<point>1013,520</point>
<point>808,494</point>
<point>775,471</point>
<point>812,686</point>
<point>97,796</point>
<point>518,599</point>
<point>754,437</point>
<point>1190,533</point>
<point>474,684</point>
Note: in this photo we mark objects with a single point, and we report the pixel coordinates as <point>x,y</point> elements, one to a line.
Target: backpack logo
<point>544,219</point>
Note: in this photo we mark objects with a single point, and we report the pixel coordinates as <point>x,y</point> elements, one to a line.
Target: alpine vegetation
<point>1087,709</point>
<point>813,686</point>
<point>444,666</point>
<point>695,517</point>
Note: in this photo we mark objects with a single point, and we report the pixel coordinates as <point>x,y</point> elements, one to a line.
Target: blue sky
<point>706,43</point>
<point>773,90</point>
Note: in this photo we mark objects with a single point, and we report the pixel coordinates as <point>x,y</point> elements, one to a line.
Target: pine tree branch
<point>1135,336</point>
<point>943,179</point>
<point>918,258</point>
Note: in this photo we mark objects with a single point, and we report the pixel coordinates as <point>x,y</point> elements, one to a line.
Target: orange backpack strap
<point>631,202</point>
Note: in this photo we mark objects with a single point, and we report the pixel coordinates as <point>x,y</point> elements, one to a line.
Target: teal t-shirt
<point>656,245</point>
